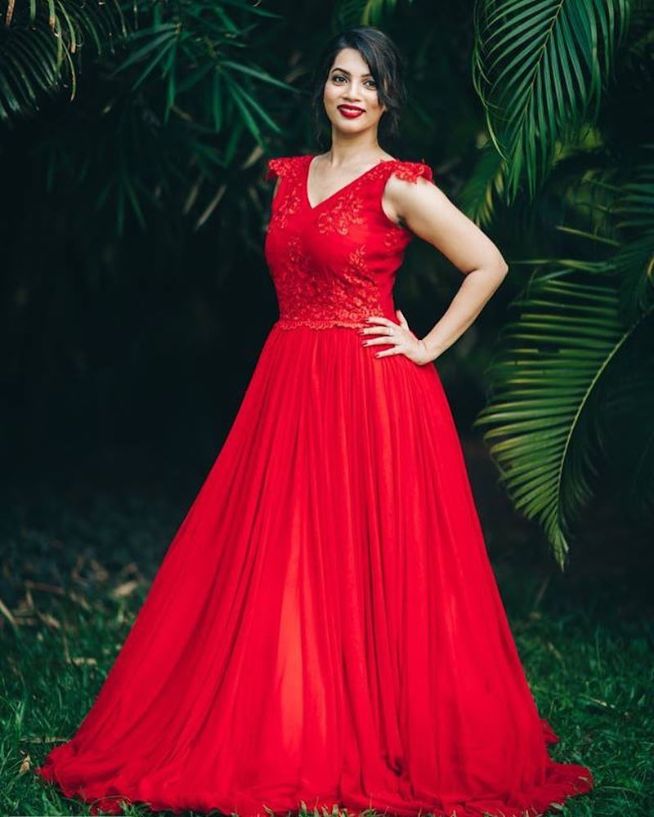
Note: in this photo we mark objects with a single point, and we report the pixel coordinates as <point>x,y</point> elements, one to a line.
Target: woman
<point>325,627</point>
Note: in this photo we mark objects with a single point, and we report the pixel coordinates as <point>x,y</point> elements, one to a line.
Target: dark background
<point>128,337</point>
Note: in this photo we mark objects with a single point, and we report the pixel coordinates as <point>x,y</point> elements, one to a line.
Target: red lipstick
<point>350,111</point>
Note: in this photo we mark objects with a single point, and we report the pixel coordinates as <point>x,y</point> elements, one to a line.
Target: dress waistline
<point>315,323</point>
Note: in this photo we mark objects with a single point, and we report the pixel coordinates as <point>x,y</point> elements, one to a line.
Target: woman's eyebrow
<point>336,68</point>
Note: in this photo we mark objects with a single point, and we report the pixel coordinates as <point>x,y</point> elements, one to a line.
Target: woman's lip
<point>350,113</point>
<point>351,108</point>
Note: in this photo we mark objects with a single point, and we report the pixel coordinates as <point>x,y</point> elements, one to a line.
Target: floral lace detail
<point>282,166</point>
<point>323,276</point>
<point>360,291</point>
<point>310,299</point>
<point>341,215</point>
<point>396,236</point>
<point>412,171</point>
<point>275,168</point>
<point>318,323</point>
<point>287,200</point>
<point>294,283</point>
<point>347,206</point>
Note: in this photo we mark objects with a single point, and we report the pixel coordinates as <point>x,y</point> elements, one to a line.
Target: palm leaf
<point>545,382</point>
<point>477,197</point>
<point>634,210</point>
<point>40,47</point>
<point>539,67</point>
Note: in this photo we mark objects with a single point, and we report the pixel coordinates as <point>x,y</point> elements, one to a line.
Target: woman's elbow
<point>500,268</point>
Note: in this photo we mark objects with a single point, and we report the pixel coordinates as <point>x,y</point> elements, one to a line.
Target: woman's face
<point>350,83</point>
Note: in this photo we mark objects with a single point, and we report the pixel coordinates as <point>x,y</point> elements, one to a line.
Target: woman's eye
<point>370,82</point>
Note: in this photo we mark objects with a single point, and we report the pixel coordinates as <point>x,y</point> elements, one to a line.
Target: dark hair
<point>386,65</point>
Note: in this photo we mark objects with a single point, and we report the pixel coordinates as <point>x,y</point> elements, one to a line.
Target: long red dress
<point>325,627</point>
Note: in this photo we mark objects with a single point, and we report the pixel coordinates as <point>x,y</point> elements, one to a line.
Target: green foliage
<point>571,392</point>
<point>479,196</point>
<point>176,103</point>
<point>351,13</point>
<point>190,51</point>
<point>175,99</point>
<point>539,69</point>
<point>634,261</point>
<point>185,107</point>
<point>546,383</point>
<point>41,47</point>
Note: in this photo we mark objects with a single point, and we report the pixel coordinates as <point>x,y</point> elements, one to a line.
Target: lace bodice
<point>335,263</point>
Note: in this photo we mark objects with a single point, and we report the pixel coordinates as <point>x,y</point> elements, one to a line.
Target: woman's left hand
<point>401,337</point>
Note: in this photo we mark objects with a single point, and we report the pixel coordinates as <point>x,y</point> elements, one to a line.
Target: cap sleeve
<point>277,166</point>
<point>412,171</point>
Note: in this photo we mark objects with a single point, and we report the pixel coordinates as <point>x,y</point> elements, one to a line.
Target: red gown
<point>325,627</point>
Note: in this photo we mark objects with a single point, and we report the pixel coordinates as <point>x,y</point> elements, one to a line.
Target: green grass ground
<point>76,567</point>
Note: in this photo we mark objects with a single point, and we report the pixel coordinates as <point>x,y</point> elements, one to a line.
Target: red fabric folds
<point>325,626</point>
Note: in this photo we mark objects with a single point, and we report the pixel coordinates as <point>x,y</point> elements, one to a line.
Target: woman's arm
<point>428,212</point>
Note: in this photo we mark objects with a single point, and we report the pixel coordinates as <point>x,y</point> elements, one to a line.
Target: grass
<point>75,570</point>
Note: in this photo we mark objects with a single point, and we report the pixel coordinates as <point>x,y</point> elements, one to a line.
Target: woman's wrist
<point>433,348</point>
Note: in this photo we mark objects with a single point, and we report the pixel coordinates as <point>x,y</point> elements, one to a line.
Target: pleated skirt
<point>325,627</point>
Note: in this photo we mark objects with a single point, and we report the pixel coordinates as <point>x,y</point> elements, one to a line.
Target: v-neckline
<point>305,185</point>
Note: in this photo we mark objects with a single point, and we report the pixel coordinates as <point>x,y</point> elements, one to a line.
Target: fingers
<point>382,339</point>
<point>399,342</point>
<point>387,352</point>
<point>381,319</point>
<point>402,319</point>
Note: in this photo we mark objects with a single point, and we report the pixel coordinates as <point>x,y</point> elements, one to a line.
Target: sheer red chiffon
<point>325,627</point>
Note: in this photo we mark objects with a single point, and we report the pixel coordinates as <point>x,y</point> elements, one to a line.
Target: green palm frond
<point>539,67</point>
<point>546,381</point>
<point>477,198</point>
<point>41,44</point>
<point>31,66</point>
<point>634,210</point>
